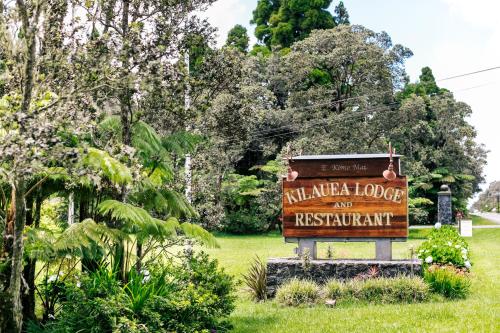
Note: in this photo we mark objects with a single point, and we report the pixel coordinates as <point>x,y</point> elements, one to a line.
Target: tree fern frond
<point>84,234</point>
<point>177,205</point>
<point>115,171</point>
<point>197,232</point>
<point>146,140</point>
<point>112,125</point>
<point>181,143</point>
<point>135,219</point>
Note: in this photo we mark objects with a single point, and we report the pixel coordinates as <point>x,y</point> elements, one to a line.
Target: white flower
<point>78,284</point>
<point>457,246</point>
<point>145,272</point>
<point>437,225</point>
<point>464,256</point>
<point>449,243</point>
<point>146,278</point>
<point>52,278</point>
<point>467,264</point>
<point>428,259</point>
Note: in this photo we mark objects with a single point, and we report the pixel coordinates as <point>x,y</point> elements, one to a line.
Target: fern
<point>181,143</point>
<point>202,235</point>
<point>137,221</point>
<point>115,171</point>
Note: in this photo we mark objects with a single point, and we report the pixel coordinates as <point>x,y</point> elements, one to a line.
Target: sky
<point>452,37</point>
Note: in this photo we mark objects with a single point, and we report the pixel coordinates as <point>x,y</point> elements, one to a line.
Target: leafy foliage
<point>101,161</point>
<point>284,22</point>
<point>186,296</point>
<point>238,38</point>
<point>445,246</point>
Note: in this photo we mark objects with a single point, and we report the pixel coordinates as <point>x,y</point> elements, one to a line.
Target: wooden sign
<point>343,165</point>
<point>357,207</point>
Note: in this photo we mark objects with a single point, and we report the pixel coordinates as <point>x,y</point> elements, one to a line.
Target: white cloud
<point>475,51</point>
<point>224,14</point>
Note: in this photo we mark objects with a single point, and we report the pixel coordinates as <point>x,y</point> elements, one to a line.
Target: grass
<point>480,312</point>
<point>479,220</point>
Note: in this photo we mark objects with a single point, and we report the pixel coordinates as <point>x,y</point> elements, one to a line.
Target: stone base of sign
<point>279,270</point>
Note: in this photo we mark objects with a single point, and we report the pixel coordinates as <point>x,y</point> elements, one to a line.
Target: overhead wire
<point>289,129</point>
<point>470,73</point>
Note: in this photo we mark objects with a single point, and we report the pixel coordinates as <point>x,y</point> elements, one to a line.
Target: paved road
<point>474,226</point>
<point>494,217</point>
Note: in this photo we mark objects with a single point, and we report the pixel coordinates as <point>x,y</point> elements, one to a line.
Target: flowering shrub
<point>445,246</point>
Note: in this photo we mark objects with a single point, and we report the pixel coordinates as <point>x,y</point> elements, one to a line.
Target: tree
<point>439,145</point>
<point>36,132</point>
<point>238,38</point>
<point>341,14</point>
<point>281,23</point>
<point>339,88</point>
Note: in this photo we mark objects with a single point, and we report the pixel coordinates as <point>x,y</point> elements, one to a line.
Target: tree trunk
<point>28,295</point>
<point>126,122</point>
<point>138,251</point>
<point>14,314</point>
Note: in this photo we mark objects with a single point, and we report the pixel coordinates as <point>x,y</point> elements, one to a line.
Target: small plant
<point>297,292</point>
<point>445,247</point>
<point>379,290</point>
<point>372,273</point>
<point>255,279</point>
<point>448,281</point>
<point>306,260</point>
<point>329,252</point>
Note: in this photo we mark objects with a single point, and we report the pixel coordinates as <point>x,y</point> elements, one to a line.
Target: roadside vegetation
<point>477,313</point>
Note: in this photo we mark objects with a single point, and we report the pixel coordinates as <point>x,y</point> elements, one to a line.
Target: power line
<point>293,128</point>
<point>471,73</point>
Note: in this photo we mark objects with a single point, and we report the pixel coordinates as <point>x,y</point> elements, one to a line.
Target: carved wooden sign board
<point>345,196</point>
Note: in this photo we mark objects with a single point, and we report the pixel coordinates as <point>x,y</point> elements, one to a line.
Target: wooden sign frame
<point>325,204</point>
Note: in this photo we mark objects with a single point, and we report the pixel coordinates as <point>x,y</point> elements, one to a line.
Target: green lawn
<point>478,220</point>
<point>479,313</point>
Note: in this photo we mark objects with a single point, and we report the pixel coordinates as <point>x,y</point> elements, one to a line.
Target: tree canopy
<point>238,37</point>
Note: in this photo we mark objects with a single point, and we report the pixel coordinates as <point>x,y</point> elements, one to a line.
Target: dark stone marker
<point>279,270</point>
<point>444,205</point>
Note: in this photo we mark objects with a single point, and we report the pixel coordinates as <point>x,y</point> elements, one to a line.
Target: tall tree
<point>238,38</point>
<point>439,144</point>
<point>36,131</point>
<point>341,14</point>
<point>281,23</point>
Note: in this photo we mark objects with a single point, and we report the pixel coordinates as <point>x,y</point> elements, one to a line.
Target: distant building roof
<point>342,157</point>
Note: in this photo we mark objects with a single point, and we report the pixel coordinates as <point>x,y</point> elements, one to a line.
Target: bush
<point>245,221</point>
<point>446,247</point>
<point>379,290</point>
<point>298,292</point>
<point>251,203</point>
<point>191,296</point>
<point>202,299</point>
<point>448,281</point>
